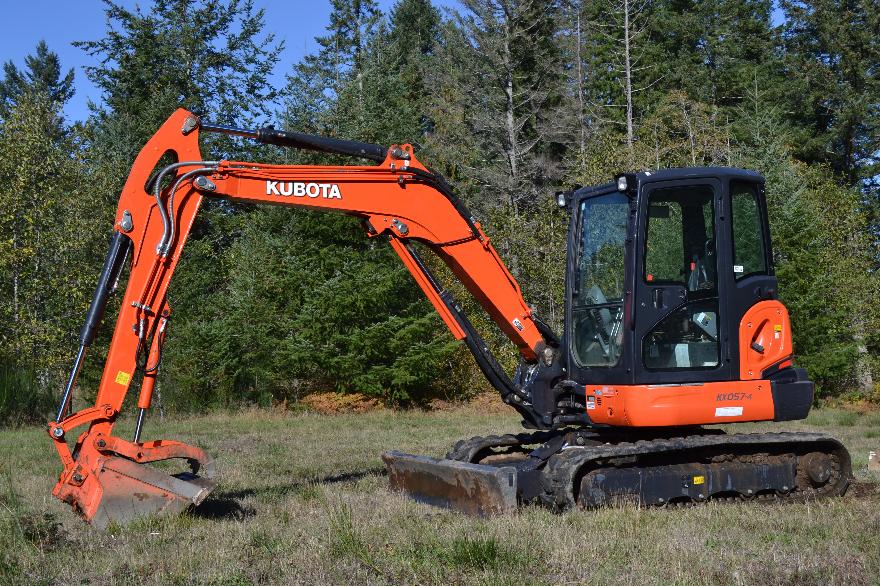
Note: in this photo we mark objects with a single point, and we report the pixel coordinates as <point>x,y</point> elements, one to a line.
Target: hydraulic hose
<point>157,193</point>
<point>166,244</point>
<point>485,360</point>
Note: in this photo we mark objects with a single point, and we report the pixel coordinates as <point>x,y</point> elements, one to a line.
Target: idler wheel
<point>818,466</point>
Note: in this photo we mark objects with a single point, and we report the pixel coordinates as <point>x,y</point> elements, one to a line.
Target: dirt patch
<point>487,402</point>
<point>863,490</point>
<point>332,403</point>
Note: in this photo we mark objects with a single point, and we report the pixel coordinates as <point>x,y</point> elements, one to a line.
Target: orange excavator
<point>672,322</point>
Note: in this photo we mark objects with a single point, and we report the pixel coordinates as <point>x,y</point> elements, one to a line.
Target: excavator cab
<point>664,266</point>
<point>670,282</point>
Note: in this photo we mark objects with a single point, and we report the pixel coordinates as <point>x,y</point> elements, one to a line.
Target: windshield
<point>597,292</point>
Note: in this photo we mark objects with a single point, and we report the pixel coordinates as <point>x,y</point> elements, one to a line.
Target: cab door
<point>680,328</point>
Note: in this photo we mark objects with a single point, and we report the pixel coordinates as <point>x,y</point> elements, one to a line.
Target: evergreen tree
<point>714,50</point>
<point>498,80</point>
<point>210,56</point>
<point>833,52</point>
<point>42,76</point>
<point>328,308</point>
<point>326,90</point>
<point>609,39</point>
<point>396,78</point>
<point>823,256</point>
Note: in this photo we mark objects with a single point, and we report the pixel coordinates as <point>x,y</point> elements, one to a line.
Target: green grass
<point>302,499</point>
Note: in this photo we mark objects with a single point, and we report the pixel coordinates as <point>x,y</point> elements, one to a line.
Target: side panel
<point>675,405</point>
<point>764,338</point>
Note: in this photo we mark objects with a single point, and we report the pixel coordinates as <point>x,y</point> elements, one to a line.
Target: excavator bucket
<point>474,489</point>
<point>131,490</point>
<point>118,489</point>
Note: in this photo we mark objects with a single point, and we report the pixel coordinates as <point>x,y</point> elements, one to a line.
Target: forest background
<point>511,100</point>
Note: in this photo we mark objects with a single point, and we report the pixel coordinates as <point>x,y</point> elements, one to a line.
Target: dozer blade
<point>474,489</point>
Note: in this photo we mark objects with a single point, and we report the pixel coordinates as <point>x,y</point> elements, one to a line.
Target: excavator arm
<point>397,198</point>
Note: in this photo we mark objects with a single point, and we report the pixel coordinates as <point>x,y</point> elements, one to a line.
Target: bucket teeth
<point>470,488</point>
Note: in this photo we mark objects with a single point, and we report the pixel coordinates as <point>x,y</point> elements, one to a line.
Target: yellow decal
<point>777,328</point>
<point>123,377</point>
<point>699,479</point>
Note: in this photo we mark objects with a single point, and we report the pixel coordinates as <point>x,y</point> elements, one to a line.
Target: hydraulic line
<point>487,363</point>
<point>171,232</point>
<point>157,193</point>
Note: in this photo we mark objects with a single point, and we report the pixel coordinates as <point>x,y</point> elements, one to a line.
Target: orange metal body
<point>766,325</point>
<point>686,404</point>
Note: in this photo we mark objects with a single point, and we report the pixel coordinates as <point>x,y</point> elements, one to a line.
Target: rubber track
<point>563,469</point>
<point>467,450</point>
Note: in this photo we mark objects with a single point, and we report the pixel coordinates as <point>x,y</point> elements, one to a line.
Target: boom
<point>399,198</point>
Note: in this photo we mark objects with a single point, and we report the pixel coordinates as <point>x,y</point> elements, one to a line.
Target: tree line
<point>509,99</point>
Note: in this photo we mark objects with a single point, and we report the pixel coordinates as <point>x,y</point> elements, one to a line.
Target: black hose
<point>486,362</point>
<point>166,244</point>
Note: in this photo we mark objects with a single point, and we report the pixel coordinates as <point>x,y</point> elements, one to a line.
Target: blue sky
<point>61,22</point>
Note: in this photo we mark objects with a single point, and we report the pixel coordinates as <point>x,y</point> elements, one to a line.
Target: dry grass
<point>303,500</point>
<point>336,403</point>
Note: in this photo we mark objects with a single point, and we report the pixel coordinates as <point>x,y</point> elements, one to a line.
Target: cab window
<point>749,248</point>
<point>680,244</point>
<point>598,288</point>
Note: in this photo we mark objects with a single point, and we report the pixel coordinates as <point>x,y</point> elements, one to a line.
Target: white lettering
<point>298,189</point>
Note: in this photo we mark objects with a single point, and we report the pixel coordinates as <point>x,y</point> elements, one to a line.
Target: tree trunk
<point>580,84</point>
<point>628,72</point>
<point>864,376</point>
<point>510,116</point>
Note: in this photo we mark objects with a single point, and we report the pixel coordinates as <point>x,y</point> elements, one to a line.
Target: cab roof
<point>699,172</point>
<point>722,173</point>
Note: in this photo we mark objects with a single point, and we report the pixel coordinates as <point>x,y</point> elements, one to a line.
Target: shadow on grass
<point>226,505</point>
<point>222,509</point>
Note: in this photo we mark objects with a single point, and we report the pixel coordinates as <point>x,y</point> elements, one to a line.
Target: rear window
<point>749,248</point>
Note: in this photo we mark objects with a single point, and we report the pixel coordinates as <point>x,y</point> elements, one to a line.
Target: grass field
<point>303,499</point>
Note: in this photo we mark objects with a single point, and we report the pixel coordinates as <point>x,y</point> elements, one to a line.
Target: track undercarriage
<point>587,468</point>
